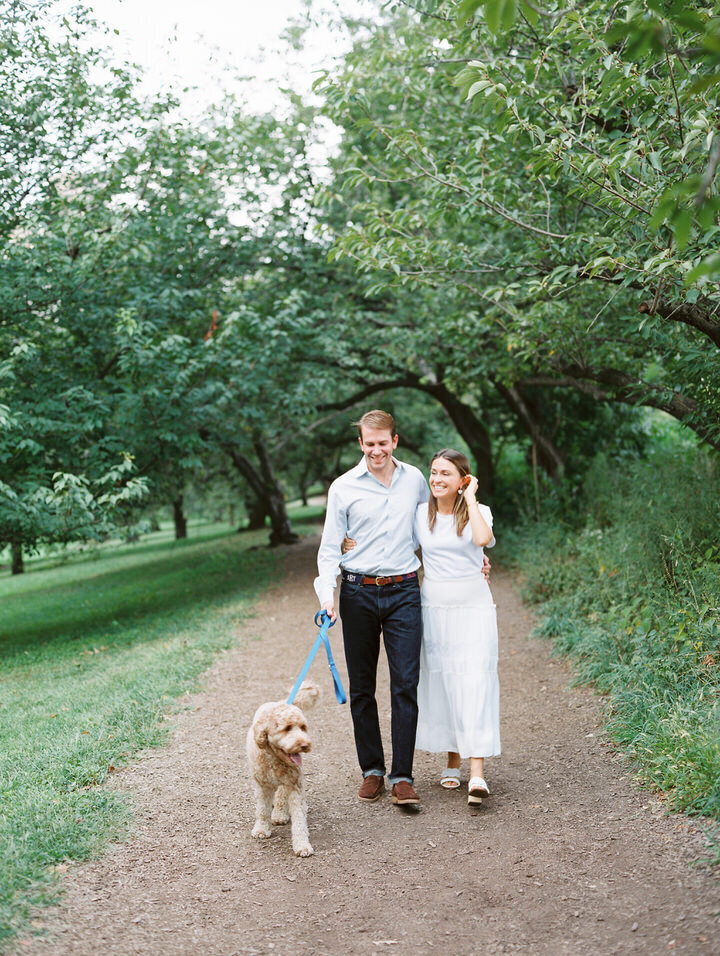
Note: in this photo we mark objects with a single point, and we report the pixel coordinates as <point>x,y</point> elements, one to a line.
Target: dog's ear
<point>260,733</point>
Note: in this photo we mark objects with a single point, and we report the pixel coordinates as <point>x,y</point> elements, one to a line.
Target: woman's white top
<point>445,554</point>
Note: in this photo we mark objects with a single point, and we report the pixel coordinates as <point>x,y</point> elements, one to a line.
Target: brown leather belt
<point>354,577</point>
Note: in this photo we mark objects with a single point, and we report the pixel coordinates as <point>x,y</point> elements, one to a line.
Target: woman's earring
<point>460,491</point>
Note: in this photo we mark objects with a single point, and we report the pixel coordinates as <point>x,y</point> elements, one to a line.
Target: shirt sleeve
<point>330,551</point>
<point>422,499</point>
<point>416,519</point>
<point>424,491</point>
<point>487,515</point>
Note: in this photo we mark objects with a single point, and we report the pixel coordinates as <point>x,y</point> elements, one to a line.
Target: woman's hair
<point>460,508</point>
<point>376,419</point>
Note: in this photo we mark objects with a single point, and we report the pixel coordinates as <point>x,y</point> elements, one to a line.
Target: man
<point>374,503</point>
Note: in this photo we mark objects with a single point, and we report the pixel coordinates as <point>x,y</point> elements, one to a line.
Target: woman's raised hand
<point>470,488</point>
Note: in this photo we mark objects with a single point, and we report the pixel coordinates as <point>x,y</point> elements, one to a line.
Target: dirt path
<point>566,857</point>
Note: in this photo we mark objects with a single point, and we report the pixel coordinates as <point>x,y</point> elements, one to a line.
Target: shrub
<point>630,587</point>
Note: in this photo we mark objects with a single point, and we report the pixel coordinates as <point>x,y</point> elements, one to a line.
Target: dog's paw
<point>280,817</point>
<point>305,850</point>
<point>261,832</point>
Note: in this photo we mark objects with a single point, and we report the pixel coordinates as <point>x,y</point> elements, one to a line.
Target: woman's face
<point>445,479</point>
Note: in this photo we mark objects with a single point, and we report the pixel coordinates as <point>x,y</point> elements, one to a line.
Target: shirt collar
<point>362,467</point>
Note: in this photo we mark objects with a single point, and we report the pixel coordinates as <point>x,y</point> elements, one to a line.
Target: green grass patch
<point>93,656</point>
<point>630,588</point>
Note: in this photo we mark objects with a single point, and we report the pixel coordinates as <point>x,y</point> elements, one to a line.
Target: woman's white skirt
<point>459,692</point>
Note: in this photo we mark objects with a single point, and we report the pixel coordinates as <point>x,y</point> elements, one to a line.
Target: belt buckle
<point>380,582</point>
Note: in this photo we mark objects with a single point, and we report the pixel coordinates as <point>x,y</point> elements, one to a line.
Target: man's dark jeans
<point>394,609</point>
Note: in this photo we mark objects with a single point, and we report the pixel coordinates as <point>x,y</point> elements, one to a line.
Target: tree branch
<point>497,208</point>
<point>621,387</point>
<point>424,13</point>
<point>687,313</point>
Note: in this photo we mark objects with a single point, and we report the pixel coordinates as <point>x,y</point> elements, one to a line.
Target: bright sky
<point>190,42</point>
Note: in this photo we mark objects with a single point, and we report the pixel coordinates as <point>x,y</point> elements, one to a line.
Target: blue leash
<point>324,623</point>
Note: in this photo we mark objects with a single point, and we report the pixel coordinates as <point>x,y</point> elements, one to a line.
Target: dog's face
<point>283,729</point>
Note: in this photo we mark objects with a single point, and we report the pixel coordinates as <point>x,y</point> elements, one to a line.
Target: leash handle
<point>321,623</point>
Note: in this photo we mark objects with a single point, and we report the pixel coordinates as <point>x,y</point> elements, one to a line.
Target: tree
<point>130,238</point>
<point>65,111</point>
<point>542,201</point>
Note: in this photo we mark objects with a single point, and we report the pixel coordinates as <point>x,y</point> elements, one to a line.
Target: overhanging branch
<point>687,313</point>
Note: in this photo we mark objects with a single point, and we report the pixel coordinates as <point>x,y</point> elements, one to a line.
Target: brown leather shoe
<point>403,794</point>
<point>372,787</point>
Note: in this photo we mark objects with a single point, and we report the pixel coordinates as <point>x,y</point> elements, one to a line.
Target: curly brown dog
<point>276,742</point>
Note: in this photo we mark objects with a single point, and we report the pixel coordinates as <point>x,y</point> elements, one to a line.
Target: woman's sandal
<point>477,789</point>
<point>450,779</point>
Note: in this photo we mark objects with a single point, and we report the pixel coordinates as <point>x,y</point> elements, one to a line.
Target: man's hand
<point>348,544</point>
<point>329,609</point>
<point>486,567</point>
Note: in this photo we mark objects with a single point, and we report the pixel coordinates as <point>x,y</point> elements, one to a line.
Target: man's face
<point>377,445</point>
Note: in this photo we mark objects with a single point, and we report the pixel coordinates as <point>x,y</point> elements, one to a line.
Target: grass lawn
<point>94,652</point>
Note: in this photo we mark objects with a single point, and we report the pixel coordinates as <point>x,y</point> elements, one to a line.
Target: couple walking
<point>441,644</point>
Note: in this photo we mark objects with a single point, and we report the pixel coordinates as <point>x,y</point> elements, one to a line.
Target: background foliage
<point>632,591</point>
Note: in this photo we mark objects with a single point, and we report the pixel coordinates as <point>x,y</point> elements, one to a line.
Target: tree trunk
<point>545,452</point>
<point>18,566</point>
<point>179,518</point>
<point>256,512</point>
<point>472,430</point>
<point>282,532</point>
<point>265,488</point>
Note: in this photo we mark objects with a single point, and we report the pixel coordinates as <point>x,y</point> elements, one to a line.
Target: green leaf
<point>681,226</point>
<point>479,87</point>
<point>500,14</point>
<point>707,268</point>
<point>530,13</point>
<point>705,83</point>
<point>467,9</point>
<point>509,13</point>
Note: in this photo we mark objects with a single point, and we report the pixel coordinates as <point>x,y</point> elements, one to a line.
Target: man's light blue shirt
<point>378,518</point>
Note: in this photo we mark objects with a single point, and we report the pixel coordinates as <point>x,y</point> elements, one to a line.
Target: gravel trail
<point>566,857</point>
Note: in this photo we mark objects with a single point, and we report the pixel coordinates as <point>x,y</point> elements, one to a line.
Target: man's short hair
<point>376,419</point>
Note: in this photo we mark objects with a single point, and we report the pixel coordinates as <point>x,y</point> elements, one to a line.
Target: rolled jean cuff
<point>373,773</point>
<point>394,780</point>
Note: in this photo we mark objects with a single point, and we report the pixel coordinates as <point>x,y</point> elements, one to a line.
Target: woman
<point>458,693</point>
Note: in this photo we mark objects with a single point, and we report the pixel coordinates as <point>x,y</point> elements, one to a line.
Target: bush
<point>631,589</point>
